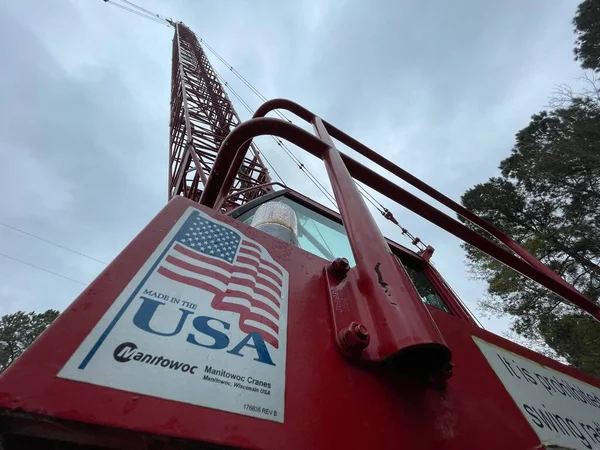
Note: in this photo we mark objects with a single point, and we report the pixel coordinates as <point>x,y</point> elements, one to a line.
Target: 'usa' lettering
<point>209,328</point>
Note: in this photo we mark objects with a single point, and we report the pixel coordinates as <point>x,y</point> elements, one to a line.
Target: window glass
<point>425,289</point>
<point>316,234</point>
<point>327,238</point>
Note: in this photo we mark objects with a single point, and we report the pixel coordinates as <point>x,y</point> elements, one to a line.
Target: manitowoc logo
<point>128,351</point>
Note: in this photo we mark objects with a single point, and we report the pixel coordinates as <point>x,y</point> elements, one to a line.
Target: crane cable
<point>12,258</point>
<point>416,241</point>
<point>158,16</point>
<point>142,12</point>
<point>242,78</point>
<point>48,241</point>
<point>241,100</point>
<point>279,142</point>
<point>385,212</point>
<point>290,154</point>
<point>154,17</point>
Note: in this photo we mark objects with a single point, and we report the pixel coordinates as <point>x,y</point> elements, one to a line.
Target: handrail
<point>379,296</point>
<point>258,187</point>
<point>224,171</point>
<point>573,295</point>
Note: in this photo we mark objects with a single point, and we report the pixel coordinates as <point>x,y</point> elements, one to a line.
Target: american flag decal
<point>239,272</point>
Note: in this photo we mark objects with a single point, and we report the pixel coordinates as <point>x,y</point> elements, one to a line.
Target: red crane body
<point>206,332</point>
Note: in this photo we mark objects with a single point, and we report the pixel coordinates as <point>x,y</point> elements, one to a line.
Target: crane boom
<point>201,117</point>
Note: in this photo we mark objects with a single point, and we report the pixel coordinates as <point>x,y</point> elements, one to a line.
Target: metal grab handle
<point>551,280</point>
<point>377,293</point>
<point>527,264</point>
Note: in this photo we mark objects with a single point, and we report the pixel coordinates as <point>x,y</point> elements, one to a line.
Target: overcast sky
<point>439,87</point>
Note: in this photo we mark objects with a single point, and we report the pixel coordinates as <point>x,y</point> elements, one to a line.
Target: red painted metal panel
<point>331,402</point>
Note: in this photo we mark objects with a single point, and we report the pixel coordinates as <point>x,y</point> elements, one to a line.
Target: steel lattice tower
<point>201,117</point>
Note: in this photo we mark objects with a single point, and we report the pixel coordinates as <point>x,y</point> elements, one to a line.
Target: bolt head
<point>354,338</point>
<point>339,267</point>
<point>361,331</point>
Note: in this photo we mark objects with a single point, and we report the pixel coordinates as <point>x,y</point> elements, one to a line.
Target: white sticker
<point>562,410</point>
<point>203,322</point>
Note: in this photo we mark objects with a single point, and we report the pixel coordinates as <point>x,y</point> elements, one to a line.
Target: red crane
<point>201,118</point>
<point>245,316</point>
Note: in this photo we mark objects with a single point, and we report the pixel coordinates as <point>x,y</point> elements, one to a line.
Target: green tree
<point>19,330</point>
<point>587,29</point>
<point>548,199</point>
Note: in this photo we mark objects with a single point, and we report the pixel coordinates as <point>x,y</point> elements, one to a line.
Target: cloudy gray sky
<point>439,87</point>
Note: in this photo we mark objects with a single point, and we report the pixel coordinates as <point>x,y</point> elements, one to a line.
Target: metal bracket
<point>356,333</point>
<point>351,335</point>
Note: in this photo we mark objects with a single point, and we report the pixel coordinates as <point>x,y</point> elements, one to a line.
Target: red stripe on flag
<point>251,244</point>
<point>249,284</point>
<point>253,273</point>
<point>197,269</point>
<point>245,314</point>
<point>225,279</point>
<point>188,280</point>
<point>257,255</point>
<point>266,336</point>
<point>229,267</point>
<point>267,283</point>
<point>195,255</point>
<point>255,303</point>
<point>214,290</point>
<point>250,251</point>
<point>261,270</point>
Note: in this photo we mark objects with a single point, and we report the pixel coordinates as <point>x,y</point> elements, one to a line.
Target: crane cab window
<point>425,289</point>
<point>317,234</point>
<point>327,238</point>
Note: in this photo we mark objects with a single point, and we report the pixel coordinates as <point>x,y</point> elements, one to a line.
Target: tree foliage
<point>19,330</point>
<point>548,199</point>
<point>587,29</point>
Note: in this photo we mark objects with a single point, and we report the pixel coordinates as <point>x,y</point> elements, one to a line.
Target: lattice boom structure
<point>201,117</point>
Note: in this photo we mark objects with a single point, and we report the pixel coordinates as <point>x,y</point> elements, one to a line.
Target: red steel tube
<point>453,226</point>
<point>395,313</point>
<point>550,278</point>
<point>409,178</point>
<point>236,144</point>
<point>228,162</point>
<point>401,320</point>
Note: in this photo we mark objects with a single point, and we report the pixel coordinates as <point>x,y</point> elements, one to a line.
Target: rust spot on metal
<point>382,283</point>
